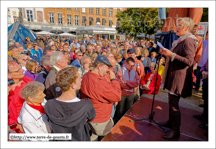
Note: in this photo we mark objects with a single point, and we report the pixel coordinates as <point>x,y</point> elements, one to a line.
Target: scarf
<point>125,76</point>
<point>39,108</point>
<point>182,38</point>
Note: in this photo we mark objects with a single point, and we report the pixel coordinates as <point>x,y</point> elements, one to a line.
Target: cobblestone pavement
<point>191,102</point>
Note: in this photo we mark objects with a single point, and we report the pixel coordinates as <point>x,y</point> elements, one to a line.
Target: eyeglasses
<point>89,63</point>
<point>17,70</point>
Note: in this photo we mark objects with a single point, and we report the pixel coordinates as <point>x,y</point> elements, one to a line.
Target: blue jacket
<point>33,54</point>
<point>76,63</point>
<point>39,54</point>
<point>42,76</point>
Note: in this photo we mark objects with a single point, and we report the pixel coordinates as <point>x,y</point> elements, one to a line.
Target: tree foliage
<point>134,21</point>
<point>205,15</point>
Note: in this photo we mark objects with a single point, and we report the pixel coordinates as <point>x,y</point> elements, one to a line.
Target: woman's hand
<point>19,126</point>
<point>166,52</point>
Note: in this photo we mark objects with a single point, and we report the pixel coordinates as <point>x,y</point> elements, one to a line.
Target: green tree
<point>135,21</point>
<point>205,15</point>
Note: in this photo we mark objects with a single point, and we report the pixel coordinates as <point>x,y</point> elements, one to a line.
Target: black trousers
<point>174,112</point>
<point>198,77</point>
<point>205,98</point>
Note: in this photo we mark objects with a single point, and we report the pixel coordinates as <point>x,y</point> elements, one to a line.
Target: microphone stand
<point>150,118</point>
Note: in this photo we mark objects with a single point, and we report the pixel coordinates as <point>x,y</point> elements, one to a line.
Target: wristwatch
<point>112,80</point>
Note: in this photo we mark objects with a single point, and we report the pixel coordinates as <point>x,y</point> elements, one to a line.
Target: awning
<point>97,19</point>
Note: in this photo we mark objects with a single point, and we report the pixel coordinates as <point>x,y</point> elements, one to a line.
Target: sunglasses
<point>80,55</point>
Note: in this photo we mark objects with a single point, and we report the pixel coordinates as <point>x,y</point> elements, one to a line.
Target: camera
<point>10,82</point>
<point>143,55</point>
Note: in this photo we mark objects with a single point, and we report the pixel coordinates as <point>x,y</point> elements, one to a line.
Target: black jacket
<point>70,117</point>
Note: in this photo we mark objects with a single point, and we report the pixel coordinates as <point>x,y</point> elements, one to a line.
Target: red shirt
<point>15,101</point>
<point>152,84</point>
<point>101,93</point>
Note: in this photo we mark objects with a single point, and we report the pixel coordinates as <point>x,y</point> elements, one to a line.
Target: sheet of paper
<point>160,45</point>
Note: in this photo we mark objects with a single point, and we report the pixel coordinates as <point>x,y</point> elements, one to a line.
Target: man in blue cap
<point>102,94</point>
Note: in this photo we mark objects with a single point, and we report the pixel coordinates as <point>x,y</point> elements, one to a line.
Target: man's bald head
<point>11,64</point>
<point>112,61</point>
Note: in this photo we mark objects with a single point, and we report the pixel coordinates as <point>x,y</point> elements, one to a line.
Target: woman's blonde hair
<point>20,56</point>
<point>145,51</point>
<point>153,64</point>
<point>30,64</point>
<point>186,22</point>
<point>139,51</point>
<point>163,60</point>
<point>117,56</point>
<point>29,43</point>
<point>153,53</point>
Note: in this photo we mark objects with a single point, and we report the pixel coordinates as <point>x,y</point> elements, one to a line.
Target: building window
<point>76,20</point>
<point>60,18</point>
<point>91,10</point>
<point>110,23</point>
<point>9,18</point>
<point>83,10</point>
<point>69,19</point>
<point>104,11</point>
<point>68,8</point>
<point>97,10</point>
<point>97,20</point>
<point>111,12</point>
<point>51,16</point>
<point>118,10</point>
<point>83,21</point>
<point>117,24</point>
<point>76,9</point>
<point>103,21</point>
<point>15,18</point>
<point>91,21</point>
<point>29,15</point>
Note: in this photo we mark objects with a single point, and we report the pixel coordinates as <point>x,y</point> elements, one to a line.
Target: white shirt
<point>24,68</point>
<point>72,100</point>
<point>32,120</point>
<point>56,68</point>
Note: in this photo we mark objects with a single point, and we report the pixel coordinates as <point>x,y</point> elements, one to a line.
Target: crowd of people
<point>84,86</point>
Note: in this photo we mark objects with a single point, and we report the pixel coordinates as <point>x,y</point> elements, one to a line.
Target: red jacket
<point>152,84</point>
<point>15,101</point>
<point>101,93</point>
